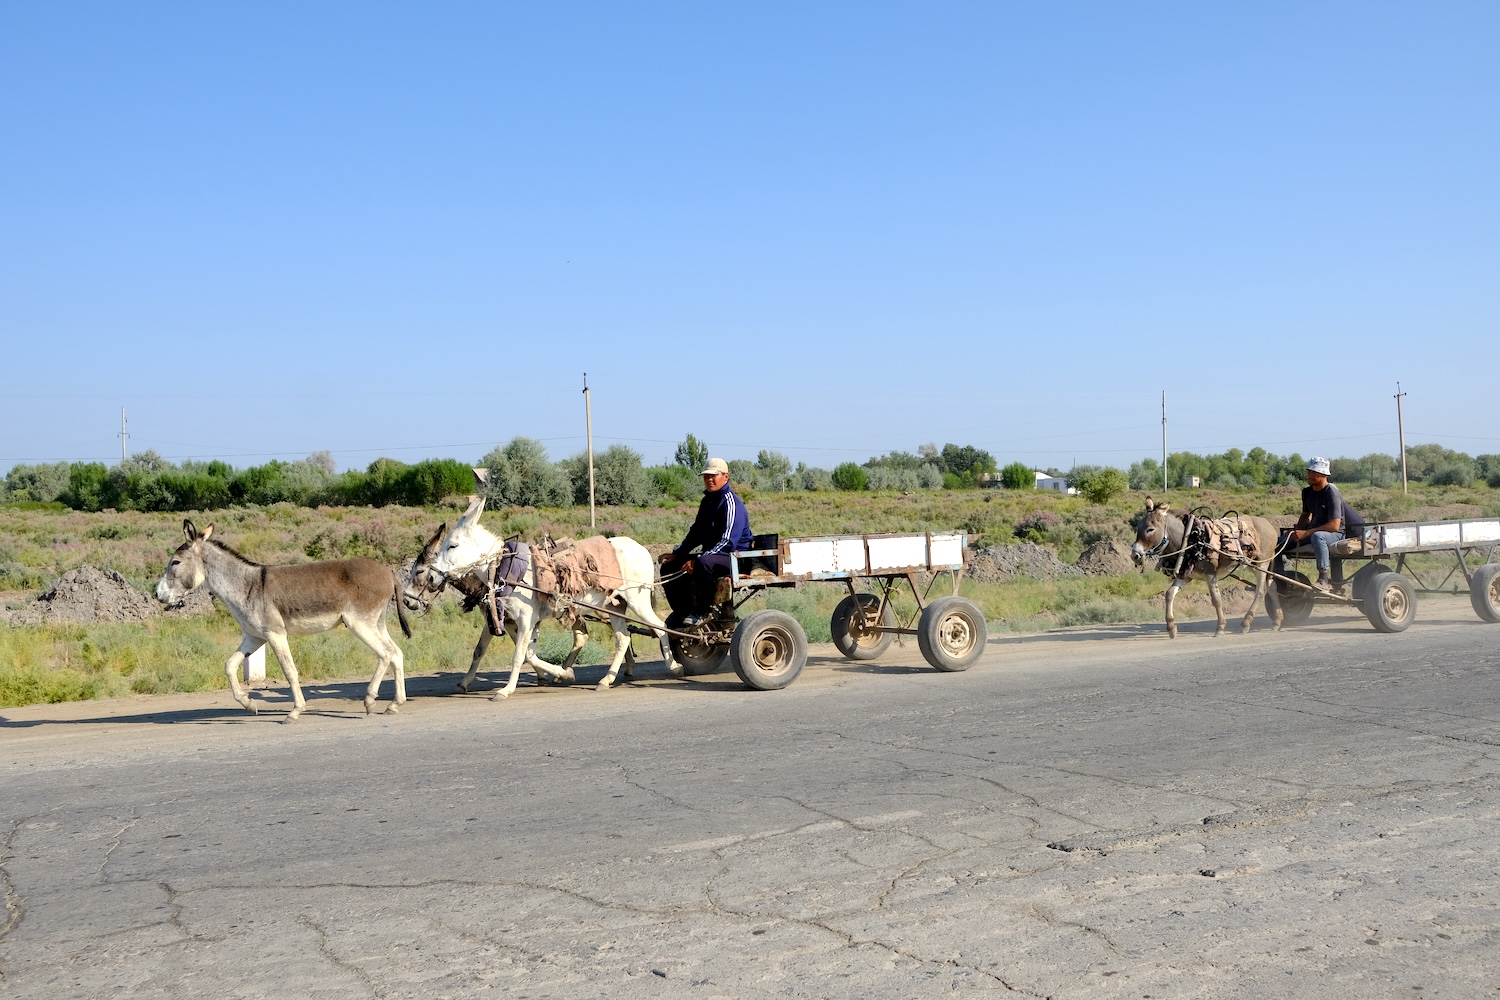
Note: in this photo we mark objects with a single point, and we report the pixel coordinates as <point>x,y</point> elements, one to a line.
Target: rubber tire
<point>1391,603</point>
<point>696,658</point>
<point>1296,604</point>
<point>1484,592</point>
<point>769,650</point>
<point>951,633</point>
<point>864,647</point>
<point>1366,573</point>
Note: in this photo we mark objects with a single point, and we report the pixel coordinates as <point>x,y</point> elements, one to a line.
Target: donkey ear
<point>476,507</point>
<point>207,531</point>
<point>1150,505</point>
<point>188,531</point>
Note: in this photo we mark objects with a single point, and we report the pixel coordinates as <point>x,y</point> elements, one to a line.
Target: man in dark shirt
<point>721,529</point>
<point>1325,519</point>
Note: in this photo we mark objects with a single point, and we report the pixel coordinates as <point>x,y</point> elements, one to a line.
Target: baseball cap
<point>715,466</point>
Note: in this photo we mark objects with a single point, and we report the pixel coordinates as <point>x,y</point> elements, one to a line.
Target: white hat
<point>715,467</point>
<point>1318,465</point>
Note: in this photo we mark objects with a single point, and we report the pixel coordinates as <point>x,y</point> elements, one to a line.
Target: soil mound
<point>1002,562</point>
<point>89,595</point>
<point>1108,557</point>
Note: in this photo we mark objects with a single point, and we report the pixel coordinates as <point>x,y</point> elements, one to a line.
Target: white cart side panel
<point>947,550</point>
<point>849,554</point>
<point>1481,531</point>
<point>1399,536</point>
<point>805,557</point>
<point>1437,534</point>
<point>897,552</point>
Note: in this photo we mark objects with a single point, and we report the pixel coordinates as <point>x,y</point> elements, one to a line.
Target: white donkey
<point>469,546</point>
<point>272,602</point>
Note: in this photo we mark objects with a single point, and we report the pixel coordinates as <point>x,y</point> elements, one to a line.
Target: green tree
<point>849,476</point>
<point>775,468</point>
<point>1018,476</point>
<point>521,475</point>
<point>691,453</point>
<point>1099,485</point>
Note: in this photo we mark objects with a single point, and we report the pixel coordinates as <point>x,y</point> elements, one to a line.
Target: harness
<point>505,573</point>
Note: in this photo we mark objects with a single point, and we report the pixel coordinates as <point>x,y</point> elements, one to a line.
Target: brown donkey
<point>273,602</point>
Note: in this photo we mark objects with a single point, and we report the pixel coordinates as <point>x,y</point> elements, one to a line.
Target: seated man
<point>1325,519</point>
<point>721,529</point>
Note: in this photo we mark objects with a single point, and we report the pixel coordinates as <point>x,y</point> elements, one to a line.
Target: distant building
<point>1192,482</point>
<point>1055,483</point>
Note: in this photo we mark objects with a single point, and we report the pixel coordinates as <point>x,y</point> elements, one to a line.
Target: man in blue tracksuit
<point>721,529</point>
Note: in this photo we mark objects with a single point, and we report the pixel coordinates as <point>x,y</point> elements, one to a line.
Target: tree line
<point>521,473</point>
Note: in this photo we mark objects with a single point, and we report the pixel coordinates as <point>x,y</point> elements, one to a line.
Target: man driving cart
<point>721,529</point>
<point>1326,519</point>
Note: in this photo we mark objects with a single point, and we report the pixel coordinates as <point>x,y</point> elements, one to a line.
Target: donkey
<point>422,586</point>
<point>273,602</point>
<point>469,546</point>
<point>1189,548</point>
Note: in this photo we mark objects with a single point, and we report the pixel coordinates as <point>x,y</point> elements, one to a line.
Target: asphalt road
<point>1091,813</point>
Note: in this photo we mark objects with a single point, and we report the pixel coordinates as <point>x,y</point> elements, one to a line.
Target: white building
<point>1055,483</point>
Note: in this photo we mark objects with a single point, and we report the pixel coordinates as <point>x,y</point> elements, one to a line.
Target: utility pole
<point>588,419</point>
<point>123,435</point>
<point>1401,435</point>
<point>1164,441</point>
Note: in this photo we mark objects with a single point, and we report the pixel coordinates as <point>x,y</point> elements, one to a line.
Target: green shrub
<point>849,476</point>
<point>1101,485</point>
<point>1018,476</point>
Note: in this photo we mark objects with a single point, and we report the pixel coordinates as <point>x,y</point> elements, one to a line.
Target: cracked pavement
<point>1089,813</point>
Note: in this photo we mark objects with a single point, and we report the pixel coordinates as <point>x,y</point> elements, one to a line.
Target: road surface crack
<point>329,955</point>
<point>115,844</point>
<point>14,905</point>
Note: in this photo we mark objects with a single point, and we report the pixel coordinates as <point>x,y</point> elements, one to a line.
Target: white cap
<point>1318,465</point>
<point>715,467</point>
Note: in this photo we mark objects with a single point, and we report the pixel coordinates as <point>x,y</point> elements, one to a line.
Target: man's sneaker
<point>1323,584</point>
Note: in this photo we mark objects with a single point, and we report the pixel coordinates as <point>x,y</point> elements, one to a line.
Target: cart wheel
<point>1390,602</point>
<point>1296,603</point>
<point>850,624</point>
<point>769,650</point>
<point>697,658</point>
<point>951,633</point>
<point>1360,580</point>
<point>1484,592</point>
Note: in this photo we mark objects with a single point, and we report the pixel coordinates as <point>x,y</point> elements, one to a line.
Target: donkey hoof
<point>500,695</point>
<point>392,709</point>
<point>461,689</point>
<point>603,685</point>
<point>293,715</point>
<point>1218,632</point>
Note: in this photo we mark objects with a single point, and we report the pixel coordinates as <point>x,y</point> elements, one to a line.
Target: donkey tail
<point>401,612</point>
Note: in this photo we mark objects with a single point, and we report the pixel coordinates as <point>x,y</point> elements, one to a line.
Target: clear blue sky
<point>828,229</point>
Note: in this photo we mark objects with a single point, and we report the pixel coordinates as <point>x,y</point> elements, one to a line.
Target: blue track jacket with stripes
<point>721,525</point>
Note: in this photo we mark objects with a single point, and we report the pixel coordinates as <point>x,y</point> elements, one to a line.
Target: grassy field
<point>47,663</point>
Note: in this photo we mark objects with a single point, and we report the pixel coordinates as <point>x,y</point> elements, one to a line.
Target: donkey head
<point>422,584</point>
<point>1151,537</point>
<point>184,571</point>
<point>468,545</point>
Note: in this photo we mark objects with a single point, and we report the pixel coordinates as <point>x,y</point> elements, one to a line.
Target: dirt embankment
<point>89,595</point>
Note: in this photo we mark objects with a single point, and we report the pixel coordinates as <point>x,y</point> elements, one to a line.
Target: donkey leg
<point>277,642</point>
<point>379,639</point>
<point>1218,599</point>
<point>622,642</point>
<point>248,645</point>
<point>479,650</point>
<point>1272,597</point>
<point>1260,589</point>
<point>1172,590</point>
<point>580,639</point>
<point>525,637</point>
